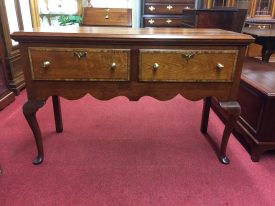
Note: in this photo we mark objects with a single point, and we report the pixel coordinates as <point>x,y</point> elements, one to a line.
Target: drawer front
<point>260,26</point>
<point>79,64</point>
<point>163,22</point>
<point>187,65</point>
<point>166,8</point>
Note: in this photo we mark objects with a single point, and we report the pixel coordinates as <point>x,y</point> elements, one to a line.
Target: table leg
<point>233,109</point>
<point>57,114</point>
<point>266,54</point>
<point>29,109</point>
<point>205,114</point>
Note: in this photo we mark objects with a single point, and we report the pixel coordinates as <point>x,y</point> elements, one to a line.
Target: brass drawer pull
<point>113,66</point>
<point>168,21</point>
<point>220,66</point>
<point>46,64</point>
<point>169,7</point>
<point>80,54</point>
<point>188,55</point>
<point>151,8</point>
<point>155,66</point>
<point>151,21</point>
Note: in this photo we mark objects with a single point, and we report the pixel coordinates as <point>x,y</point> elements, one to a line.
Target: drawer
<point>168,21</point>
<point>166,8</point>
<point>79,64</point>
<point>163,22</point>
<point>260,26</point>
<point>187,65</point>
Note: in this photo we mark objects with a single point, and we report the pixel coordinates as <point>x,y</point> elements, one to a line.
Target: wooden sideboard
<point>166,13</point>
<point>111,61</point>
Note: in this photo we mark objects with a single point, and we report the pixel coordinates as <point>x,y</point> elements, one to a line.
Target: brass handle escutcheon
<point>155,66</point>
<point>46,64</point>
<point>188,55</point>
<point>220,66</point>
<point>80,54</point>
<point>113,65</point>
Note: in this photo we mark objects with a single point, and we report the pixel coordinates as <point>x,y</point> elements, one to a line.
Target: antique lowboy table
<point>108,62</point>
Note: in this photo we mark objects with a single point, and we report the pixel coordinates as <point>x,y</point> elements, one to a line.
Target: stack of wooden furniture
<point>166,13</point>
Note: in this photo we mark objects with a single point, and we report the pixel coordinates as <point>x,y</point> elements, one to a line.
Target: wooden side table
<point>118,61</point>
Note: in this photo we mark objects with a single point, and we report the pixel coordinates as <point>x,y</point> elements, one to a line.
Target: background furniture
<point>265,38</point>
<point>231,19</point>
<point>106,17</point>
<point>261,14</point>
<point>11,53</point>
<point>6,96</point>
<point>166,13</point>
<point>257,99</point>
<point>109,62</point>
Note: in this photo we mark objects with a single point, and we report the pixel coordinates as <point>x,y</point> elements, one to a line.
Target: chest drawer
<point>187,65</point>
<point>167,8</point>
<point>163,22</point>
<point>79,64</point>
<point>168,21</point>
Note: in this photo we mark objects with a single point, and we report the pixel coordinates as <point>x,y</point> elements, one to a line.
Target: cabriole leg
<point>233,109</point>
<point>29,109</point>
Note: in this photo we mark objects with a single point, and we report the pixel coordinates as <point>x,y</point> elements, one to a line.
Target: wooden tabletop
<point>169,34</point>
<point>260,75</point>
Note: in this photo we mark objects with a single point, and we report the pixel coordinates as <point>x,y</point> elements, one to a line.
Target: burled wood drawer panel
<point>79,64</point>
<point>187,65</point>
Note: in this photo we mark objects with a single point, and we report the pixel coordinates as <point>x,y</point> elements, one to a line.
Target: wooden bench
<point>256,125</point>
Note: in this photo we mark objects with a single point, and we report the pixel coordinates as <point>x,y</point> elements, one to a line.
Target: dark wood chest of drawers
<point>167,13</point>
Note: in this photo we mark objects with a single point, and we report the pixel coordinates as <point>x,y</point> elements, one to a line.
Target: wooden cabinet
<point>261,14</point>
<point>166,13</point>
<point>11,20</point>
<point>6,96</point>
